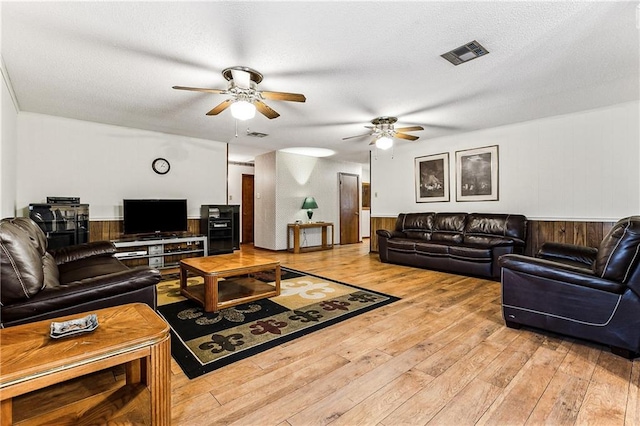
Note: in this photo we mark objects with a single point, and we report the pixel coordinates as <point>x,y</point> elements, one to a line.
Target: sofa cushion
<point>33,231</point>
<point>401,244</point>
<point>619,251</point>
<point>432,249</point>
<point>415,225</point>
<point>50,271</point>
<point>482,227</point>
<point>471,253</point>
<point>20,263</point>
<point>448,227</point>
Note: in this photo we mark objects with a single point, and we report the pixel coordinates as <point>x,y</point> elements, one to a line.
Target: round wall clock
<point>161,166</point>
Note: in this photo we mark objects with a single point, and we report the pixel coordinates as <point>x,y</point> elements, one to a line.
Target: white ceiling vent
<point>256,134</point>
<point>465,53</point>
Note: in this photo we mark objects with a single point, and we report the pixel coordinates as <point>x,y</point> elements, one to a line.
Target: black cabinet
<point>63,224</point>
<point>220,223</point>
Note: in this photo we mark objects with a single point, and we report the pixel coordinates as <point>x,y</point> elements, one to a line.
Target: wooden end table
<point>132,334</point>
<point>212,295</point>
<point>297,228</point>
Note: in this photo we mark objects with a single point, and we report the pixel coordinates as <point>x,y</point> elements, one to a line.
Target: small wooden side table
<point>295,228</point>
<point>132,334</point>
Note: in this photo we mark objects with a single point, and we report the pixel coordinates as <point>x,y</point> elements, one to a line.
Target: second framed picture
<point>477,174</point>
<point>432,178</point>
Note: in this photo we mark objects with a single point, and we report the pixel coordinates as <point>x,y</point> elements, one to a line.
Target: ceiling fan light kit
<point>383,132</point>
<point>243,110</point>
<point>245,96</point>
<point>384,142</point>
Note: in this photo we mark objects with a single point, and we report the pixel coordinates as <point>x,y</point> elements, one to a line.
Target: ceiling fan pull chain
<point>236,129</point>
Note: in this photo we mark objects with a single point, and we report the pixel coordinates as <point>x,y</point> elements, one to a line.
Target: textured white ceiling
<point>115,63</point>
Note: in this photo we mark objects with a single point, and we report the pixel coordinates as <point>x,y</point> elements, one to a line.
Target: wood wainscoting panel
<point>109,230</point>
<point>380,223</point>
<point>539,232</point>
<point>569,232</point>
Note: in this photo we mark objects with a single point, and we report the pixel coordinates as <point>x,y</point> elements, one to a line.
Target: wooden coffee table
<point>216,294</point>
<point>133,335</point>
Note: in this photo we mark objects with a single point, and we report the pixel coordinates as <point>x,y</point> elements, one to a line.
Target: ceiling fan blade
<point>220,107</point>
<point>197,89</point>
<point>407,137</point>
<point>282,96</point>
<point>242,79</point>
<point>266,110</point>
<point>409,129</point>
<point>358,136</point>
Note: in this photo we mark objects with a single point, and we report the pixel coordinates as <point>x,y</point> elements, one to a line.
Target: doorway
<point>247,208</point>
<point>349,208</point>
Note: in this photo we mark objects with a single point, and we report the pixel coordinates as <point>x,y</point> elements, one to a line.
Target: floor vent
<point>465,53</point>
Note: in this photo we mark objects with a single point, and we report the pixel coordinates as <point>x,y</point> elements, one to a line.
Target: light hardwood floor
<point>439,356</point>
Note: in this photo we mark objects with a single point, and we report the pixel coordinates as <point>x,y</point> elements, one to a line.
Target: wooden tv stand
<point>160,252</point>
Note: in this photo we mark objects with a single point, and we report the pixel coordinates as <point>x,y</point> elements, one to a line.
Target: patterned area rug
<point>202,342</point>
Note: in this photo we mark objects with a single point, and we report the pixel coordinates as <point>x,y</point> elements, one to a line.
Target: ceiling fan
<point>245,96</point>
<point>383,132</point>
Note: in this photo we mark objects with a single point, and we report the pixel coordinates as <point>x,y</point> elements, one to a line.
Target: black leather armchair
<point>583,292</point>
<point>37,284</point>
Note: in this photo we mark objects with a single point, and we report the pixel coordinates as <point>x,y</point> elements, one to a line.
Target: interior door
<point>247,208</point>
<point>349,208</point>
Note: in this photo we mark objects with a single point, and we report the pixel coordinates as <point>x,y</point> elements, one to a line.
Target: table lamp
<point>309,203</point>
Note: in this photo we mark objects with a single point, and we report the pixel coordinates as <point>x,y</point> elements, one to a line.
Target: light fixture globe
<point>384,142</point>
<point>243,110</point>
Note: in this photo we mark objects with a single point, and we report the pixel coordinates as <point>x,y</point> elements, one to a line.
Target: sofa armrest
<point>102,286</point>
<point>559,272</point>
<point>568,253</point>
<point>82,251</point>
<point>384,233</point>
<point>128,279</point>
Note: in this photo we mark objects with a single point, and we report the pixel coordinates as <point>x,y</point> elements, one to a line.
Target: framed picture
<point>432,178</point>
<point>477,174</point>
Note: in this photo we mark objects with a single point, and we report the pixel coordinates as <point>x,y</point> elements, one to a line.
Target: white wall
<point>235,185</point>
<point>581,166</point>
<point>265,201</point>
<point>297,177</point>
<point>103,164</point>
<point>8,150</point>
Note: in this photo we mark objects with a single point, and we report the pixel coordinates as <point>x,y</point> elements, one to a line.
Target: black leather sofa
<point>464,243</point>
<point>36,284</point>
<point>584,292</point>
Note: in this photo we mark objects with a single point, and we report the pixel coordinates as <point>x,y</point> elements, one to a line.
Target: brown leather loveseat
<point>464,243</point>
<point>36,284</point>
<point>584,292</point>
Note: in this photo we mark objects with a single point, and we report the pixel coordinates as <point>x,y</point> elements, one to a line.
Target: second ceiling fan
<point>383,132</point>
<point>245,96</point>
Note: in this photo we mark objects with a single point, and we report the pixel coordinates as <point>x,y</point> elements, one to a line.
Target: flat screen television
<point>155,216</point>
